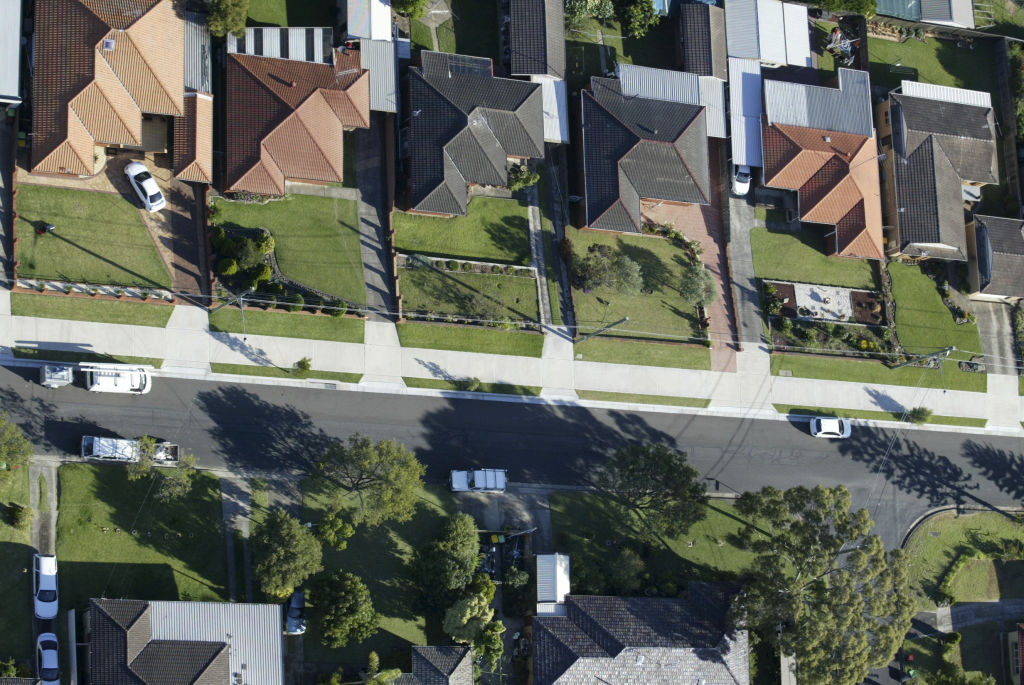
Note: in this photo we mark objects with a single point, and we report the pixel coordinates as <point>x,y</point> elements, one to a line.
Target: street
<point>261,427</point>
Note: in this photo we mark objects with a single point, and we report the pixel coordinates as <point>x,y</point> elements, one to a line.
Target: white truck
<point>479,480</point>
<point>120,450</point>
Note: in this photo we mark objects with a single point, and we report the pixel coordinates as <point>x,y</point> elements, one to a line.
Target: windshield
<point>49,674</point>
<point>47,595</point>
<point>743,177</point>
<point>143,176</point>
<point>156,197</point>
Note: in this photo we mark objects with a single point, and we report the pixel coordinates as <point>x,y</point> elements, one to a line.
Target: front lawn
<point>619,351</point>
<point>493,230</point>
<point>866,371</point>
<point>316,240</point>
<point>633,398</point>
<point>933,61</point>
<point>278,372</point>
<point>114,539</point>
<point>461,385</point>
<point>288,325</point>
<point>16,580</point>
<point>488,297</point>
<point>82,309</point>
<point>800,257</point>
<point>437,336</point>
<point>100,238</point>
<point>923,323</point>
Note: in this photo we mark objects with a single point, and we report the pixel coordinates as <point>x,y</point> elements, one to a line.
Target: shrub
<point>226,246</point>
<point>215,215</point>
<point>261,273</point>
<point>565,249</point>
<point>270,301</point>
<point>303,366</point>
<point>297,303</point>
<point>466,266</point>
<point>471,384</point>
<point>248,253</point>
<point>452,265</point>
<point>21,516</point>
<point>227,267</point>
<point>217,235</point>
<point>953,638</point>
<point>339,309</point>
<point>522,177</point>
<point>495,269</point>
<point>919,415</point>
<point>266,243</point>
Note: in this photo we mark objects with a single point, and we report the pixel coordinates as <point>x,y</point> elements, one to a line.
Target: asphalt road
<point>260,427</point>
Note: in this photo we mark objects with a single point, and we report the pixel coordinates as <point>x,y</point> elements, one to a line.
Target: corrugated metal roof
<point>251,631</point>
<point>299,44</point>
<point>379,58</point>
<point>741,29</point>
<point>948,12</point>
<point>369,19</point>
<point>846,109</point>
<point>552,577</point>
<point>961,96</point>
<point>10,50</point>
<point>745,110</point>
<point>556,108</point>
<point>197,53</point>
<point>678,86</point>
<point>901,9</point>
<point>771,31</point>
<point>798,35</point>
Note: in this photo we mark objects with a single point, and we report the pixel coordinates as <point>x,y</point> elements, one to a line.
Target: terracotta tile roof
<point>289,117</point>
<point>119,14</point>
<point>193,140</point>
<point>836,177</point>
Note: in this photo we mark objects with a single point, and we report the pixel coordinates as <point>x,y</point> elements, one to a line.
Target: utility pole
<point>237,298</point>
<point>602,329</point>
<point>938,356</point>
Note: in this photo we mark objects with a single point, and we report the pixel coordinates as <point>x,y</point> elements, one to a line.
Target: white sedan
<point>830,427</point>
<point>145,186</point>
<point>47,662</point>
<point>44,585</point>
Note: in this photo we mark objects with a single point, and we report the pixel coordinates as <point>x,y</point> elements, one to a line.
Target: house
<point>536,43</point>
<point>115,75</point>
<point>371,25</point>
<point>642,640</point>
<point>820,143</point>
<point>995,253</point>
<point>702,39</point>
<point>291,97</point>
<point>776,33</point>
<point>135,642</point>
<point>638,150</point>
<point>10,53</point>
<point>940,145</point>
<point>952,13</point>
<point>464,127</point>
<point>439,666</point>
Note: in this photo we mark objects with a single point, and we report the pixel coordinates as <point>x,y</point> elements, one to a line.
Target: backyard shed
<point>552,584</point>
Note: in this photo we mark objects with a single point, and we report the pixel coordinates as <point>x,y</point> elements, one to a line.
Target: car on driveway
<point>740,180</point>
<point>145,186</point>
<point>830,427</point>
<point>295,621</point>
<point>47,662</point>
<point>44,585</point>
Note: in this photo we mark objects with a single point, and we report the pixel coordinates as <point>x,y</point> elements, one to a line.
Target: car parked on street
<point>145,186</point>
<point>47,661</point>
<point>295,619</point>
<point>44,585</point>
<point>830,427</point>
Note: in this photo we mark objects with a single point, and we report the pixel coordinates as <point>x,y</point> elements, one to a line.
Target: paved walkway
<point>44,523</point>
<point>741,260</point>
<point>235,504</point>
<point>372,222</point>
<point>959,616</point>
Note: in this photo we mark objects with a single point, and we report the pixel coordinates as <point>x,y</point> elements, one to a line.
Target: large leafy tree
<point>823,583</point>
<point>15,449</point>
<point>604,267</point>
<point>228,16</point>
<point>697,285</point>
<point>466,619</point>
<point>384,476</point>
<point>445,567</point>
<point>286,553</point>
<point>639,17</point>
<point>658,485</point>
<point>176,481</point>
<point>347,613</point>
<point>414,9</point>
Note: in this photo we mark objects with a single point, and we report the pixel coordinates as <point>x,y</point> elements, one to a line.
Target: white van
<point>117,378</point>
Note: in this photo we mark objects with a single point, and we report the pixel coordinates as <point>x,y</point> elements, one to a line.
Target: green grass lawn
<point>935,61</point>
<point>476,28</point>
<point>76,357</point>
<point>490,297</point>
<point>826,63</point>
<point>277,372</point>
<point>498,388</point>
<point>801,257</point>
<point>316,240</point>
<point>619,351</point>
<point>100,238</point>
<point>446,37</point>
<point>866,371</point>
<point>1008,20</point>
<point>875,415</point>
<point>288,325</point>
<point>82,309</point>
<point>633,398</point>
<point>380,557</point>
<point>15,577</point>
<point>292,12</point>
<point>436,336</point>
<point>660,313</point>
<point>420,35</point>
<point>923,323</point>
<point>494,230</point>
<point>162,551</point>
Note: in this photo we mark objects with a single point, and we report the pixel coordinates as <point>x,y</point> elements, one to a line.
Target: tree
<point>375,676</point>
<point>698,285</point>
<point>176,481</point>
<point>228,16</point>
<point>919,415</point>
<point>414,9</point>
<point>303,366</point>
<point>657,484</point>
<point>15,449</point>
<point>444,568</point>
<point>489,646</point>
<point>347,609</point>
<point>142,468</point>
<point>840,604</point>
<point>640,17</point>
<point>603,267</point>
<point>286,554</point>
<point>8,668</point>
<point>863,7</point>
<point>384,476</point>
<point>521,177</point>
<point>465,619</point>
<point>334,529</point>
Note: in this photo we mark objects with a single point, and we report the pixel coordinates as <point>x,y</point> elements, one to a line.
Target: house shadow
<point>80,581</point>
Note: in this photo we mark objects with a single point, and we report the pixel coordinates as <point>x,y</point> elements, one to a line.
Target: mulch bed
<point>868,307</point>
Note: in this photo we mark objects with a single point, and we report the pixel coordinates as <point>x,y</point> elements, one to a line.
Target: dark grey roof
<point>537,37</point>
<point>1000,249</point>
<point>19,681</point>
<point>846,109</point>
<point>463,125</point>
<point>175,662</point>
<point>702,35</point>
<point>642,639</point>
<point>965,133</point>
<point>636,148</point>
<point>434,665</point>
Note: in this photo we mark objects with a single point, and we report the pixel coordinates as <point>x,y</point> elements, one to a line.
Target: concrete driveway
<point>996,329</point>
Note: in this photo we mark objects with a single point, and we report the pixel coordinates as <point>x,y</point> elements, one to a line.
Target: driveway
<point>996,329</point>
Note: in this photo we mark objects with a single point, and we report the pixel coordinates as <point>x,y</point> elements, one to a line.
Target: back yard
<point>933,61</point>
<point>583,46</point>
<point>292,12</point>
<point>494,230</point>
<point>100,238</point>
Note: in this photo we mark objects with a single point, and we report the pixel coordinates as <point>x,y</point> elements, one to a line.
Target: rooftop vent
<point>293,84</point>
<point>108,44</point>
<point>828,139</point>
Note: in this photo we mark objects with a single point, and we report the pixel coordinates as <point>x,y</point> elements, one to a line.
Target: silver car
<point>47,661</point>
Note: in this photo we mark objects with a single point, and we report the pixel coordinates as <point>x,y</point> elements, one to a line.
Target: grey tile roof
<point>174,662</point>
<point>965,133</point>
<point>702,34</point>
<point>537,37</point>
<point>635,147</point>
<point>444,665</point>
<point>846,109</point>
<point>642,640</point>
<point>463,125</point>
<point>1000,247</point>
<point>678,86</point>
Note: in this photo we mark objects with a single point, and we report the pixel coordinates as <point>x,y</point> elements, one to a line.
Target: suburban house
<point>120,75</point>
<point>10,53</point>
<point>702,40</point>
<point>642,640</point>
<point>940,145</point>
<point>820,143</point>
<point>537,50</point>
<point>639,151</point>
<point>952,13</point>
<point>137,642</point>
<point>439,666</point>
<point>291,97</point>
<point>371,26</point>
<point>465,128</point>
<point>995,252</point>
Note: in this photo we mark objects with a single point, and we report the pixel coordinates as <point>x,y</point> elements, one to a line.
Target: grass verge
<point>436,336</point>
<point>876,415</point>
<point>277,372</point>
<point>81,309</point>
<point>634,398</point>
<point>15,576</point>
<point>493,230</point>
<point>288,325</point>
<point>77,357</point>
<point>497,388</point>
<point>644,353</point>
<point>868,371</point>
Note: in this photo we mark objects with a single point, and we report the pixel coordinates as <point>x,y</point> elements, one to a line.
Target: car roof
<point>830,424</point>
<point>47,564</point>
<point>150,186</point>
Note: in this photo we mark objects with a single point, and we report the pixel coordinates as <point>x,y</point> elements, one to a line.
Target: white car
<point>740,180</point>
<point>44,585</point>
<point>47,663</point>
<point>145,186</point>
<point>830,427</point>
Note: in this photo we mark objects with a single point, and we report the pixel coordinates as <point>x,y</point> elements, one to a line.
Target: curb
<point>967,508</point>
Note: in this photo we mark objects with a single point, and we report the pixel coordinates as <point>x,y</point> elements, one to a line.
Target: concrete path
<point>236,507</point>
<point>996,328</point>
<point>557,211</point>
<point>373,224</point>
<point>383,352</point>
<point>959,616</point>
<point>537,253</point>
<point>44,523</point>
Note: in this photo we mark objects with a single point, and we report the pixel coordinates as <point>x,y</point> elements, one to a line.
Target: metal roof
<point>961,96</point>
<point>10,51</point>
<point>369,19</point>
<point>556,108</point>
<point>901,9</point>
<point>771,31</point>
<point>798,35</point>
<point>845,109</point>
<point>741,29</point>
<point>252,632</point>
<point>306,44</point>
<point>948,12</point>
<point>379,58</point>
<point>678,86</point>
<point>197,53</point>
<point>552,577</point>
<point>745,110</point>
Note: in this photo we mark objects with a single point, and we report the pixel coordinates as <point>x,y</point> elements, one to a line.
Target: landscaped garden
<point>493,230</point>
<point>99,238</point>
<point>82,309</point>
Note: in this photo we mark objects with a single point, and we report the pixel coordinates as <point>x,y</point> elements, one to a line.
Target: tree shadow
<point>884,402</point>
<point>511,234</point>
<point>1002,467</point>
<point>43,424</point>
<point>656,274</point>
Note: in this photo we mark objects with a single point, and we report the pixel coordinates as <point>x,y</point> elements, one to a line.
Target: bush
<point>261,273</point>
<point>471,384</point>
<point>266,243</point>
<point>270,301</point>
<point>565,250</point>
<point>227,267</point>
<point>466,266</point>
<point>21,516</point>
<point>248,253</point>
<point>215,216</point>
<point>339,309</point>
<point>919,415</point>
<point>452,265</point>
<point>953,638</point>
<point>297,303</point>
<point>217,236</point>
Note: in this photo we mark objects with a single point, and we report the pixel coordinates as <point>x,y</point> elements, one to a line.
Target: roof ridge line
<point>316,143</point>
<point>149,68</point>
<point>95,82</point>
<point>258,80</point>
